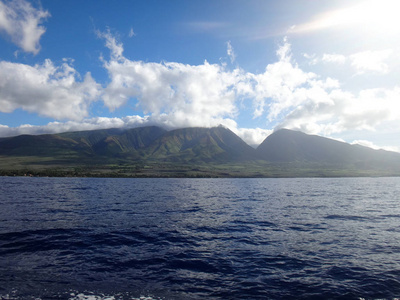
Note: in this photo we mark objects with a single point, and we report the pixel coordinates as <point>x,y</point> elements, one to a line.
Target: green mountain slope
<point>184,145</point>
<point>114,142</point>
<point>216,144</point>
<point>212,152</point>
<point>107,142</point>
<point>293,146</point>
<point>41,145</point>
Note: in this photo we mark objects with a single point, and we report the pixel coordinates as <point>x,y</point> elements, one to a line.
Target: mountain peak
<point>286,145</point>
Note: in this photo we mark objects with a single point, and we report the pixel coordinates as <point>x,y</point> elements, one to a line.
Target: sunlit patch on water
<point>14,295</point>
<point>82,296</point>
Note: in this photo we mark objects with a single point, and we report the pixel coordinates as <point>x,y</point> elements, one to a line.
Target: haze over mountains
<point>191,147</point>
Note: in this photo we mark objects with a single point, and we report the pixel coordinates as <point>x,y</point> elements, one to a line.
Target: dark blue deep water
<point>85,238</point>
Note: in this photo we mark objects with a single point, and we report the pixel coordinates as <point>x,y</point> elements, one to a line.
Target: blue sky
<point>325,67</point>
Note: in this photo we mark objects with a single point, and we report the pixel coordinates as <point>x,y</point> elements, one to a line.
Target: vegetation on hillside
<point>188,152</point>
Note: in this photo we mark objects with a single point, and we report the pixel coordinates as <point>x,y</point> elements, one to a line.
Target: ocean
<point>293,238</point>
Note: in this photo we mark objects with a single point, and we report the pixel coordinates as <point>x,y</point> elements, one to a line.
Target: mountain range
<point>153,151</point>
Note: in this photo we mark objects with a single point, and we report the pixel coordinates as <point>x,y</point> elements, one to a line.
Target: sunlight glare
<point>378,15</point>
<point>372,16</point>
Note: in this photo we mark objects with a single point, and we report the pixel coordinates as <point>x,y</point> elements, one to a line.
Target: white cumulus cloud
<point>23,23</point>
<point>345,111</point>
<point>284,86</point>
<point>371,61</point>
<point>253,136</point>
<point>46,89</point>
<point>176,94</point>
<point>293,98</point>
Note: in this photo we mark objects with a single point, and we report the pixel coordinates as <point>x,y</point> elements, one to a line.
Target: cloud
<point>253,136</point>
<point>172,95</point>
<point>46,89</point>
<point>22,23</point>
<point>346,111</point>
<point>112,44</point>
<point>326,58</point>
<point>361,62</point>
<point>371,61</point>
<point>131,33</point>
<point>229,51</point>
<point>85,124</point>
<point>284,85</point>
<point>292,98</point>
<point>178,95</point>
<point>370,144</point>
<point>334,58</point>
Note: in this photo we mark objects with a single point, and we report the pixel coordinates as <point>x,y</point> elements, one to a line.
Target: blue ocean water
<point>309,238</point>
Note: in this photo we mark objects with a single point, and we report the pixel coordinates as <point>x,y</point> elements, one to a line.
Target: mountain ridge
<point>191,148</point>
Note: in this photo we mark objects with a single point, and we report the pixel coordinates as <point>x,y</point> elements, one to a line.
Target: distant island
<point>189,152</point>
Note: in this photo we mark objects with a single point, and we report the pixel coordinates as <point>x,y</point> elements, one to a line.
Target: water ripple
<point>103,239</point>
